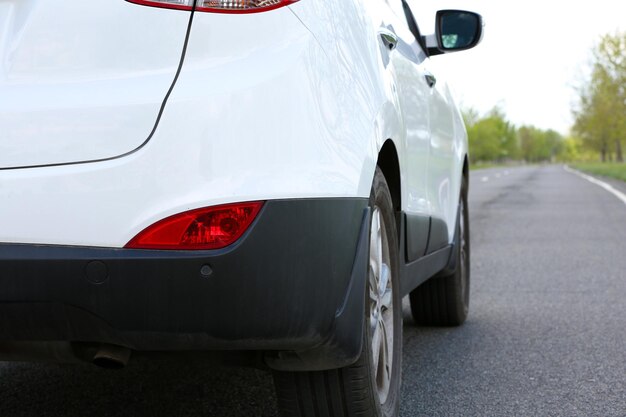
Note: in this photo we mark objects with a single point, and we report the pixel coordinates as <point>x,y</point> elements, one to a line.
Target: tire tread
<point>324,393</point>
<point>435,303</point>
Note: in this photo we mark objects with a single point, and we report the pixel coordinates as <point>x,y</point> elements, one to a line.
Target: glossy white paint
<point>408,65</point>
<point>293,103</point>
<point>80,82</point>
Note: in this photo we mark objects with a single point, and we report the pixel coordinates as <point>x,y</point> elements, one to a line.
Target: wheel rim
<point>381,305</point>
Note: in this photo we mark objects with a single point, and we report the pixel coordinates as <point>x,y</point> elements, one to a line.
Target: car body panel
<point>78,85</point>
<point>292,104</point>
<point>344,103</point>
<point>423,122</point>
<point>303,151</point>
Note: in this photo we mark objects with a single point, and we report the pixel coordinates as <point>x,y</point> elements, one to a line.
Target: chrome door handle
<point>388,38</point>
<point>431,80</point>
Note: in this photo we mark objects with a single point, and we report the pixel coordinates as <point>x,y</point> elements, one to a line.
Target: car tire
<point>444,299</point>
<point>371,386</point>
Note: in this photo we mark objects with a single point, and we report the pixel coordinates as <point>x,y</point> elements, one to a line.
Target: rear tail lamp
<point>218,6</point>
<point>201,229</point>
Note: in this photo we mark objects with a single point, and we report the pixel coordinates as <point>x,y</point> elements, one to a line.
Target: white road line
<point>484,179</point>
<point>498,175</point>
<point>599,183</point>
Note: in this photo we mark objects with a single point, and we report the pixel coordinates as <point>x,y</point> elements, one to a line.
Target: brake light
<point>201,229</point>
<point>218,6</point>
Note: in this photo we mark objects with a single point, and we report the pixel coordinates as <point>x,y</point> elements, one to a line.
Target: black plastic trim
<point>294,282</point>
<point>438,237</point>
<point>417,232</point>
<point>339,350</point>
<point>415,273</point>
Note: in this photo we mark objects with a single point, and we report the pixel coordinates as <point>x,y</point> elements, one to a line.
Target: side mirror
<point>455,30</point>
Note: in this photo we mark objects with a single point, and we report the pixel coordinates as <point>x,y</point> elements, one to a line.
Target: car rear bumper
<point>293,285</point>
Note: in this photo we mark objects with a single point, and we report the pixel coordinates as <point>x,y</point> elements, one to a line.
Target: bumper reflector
<point>201,229</point>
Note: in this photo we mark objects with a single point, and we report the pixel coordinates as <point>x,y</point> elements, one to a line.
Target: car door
<point>414,95</point>
<point>443,168</point>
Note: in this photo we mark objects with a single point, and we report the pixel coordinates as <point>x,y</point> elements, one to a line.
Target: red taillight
<point>201,229</point>
<point>218,6</point>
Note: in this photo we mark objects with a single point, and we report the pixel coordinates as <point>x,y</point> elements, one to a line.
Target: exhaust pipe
<point>111,357</point>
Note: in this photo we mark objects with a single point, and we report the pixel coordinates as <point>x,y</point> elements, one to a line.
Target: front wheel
<point>371,386</point>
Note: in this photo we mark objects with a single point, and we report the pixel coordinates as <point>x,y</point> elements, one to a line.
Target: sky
<point>532,57</point>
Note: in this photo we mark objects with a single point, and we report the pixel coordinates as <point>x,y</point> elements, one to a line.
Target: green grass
<point>612,170</point>
<point>485,165</point>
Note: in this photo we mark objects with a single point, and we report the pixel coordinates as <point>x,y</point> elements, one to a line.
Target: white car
<point>262,176</point>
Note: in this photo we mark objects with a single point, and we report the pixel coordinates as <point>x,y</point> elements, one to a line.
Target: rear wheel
<point>444,299</point>
<point>371,386</point>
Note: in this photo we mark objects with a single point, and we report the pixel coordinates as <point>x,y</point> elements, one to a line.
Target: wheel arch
<point>466,169</point>
<point>389,164</point>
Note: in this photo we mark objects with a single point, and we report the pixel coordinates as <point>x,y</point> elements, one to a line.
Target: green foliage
<point>599,129</point>
<point>493,139</point>
<point>571,150</point>
<point>600,117</point>
<point>539,145</point>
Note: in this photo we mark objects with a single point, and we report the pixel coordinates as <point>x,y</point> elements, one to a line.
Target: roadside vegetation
<point>495,140</point>
<point>596,142</point>
<point>612,170</point>
<point>600,116</point>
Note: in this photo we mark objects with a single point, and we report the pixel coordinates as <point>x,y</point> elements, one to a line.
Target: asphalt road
<point>546,334</point>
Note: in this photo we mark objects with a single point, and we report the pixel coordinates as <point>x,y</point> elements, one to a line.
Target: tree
<point>491,138</point>
<point>570,150</point>
<point>539,145</point>
<point>600,119</point>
